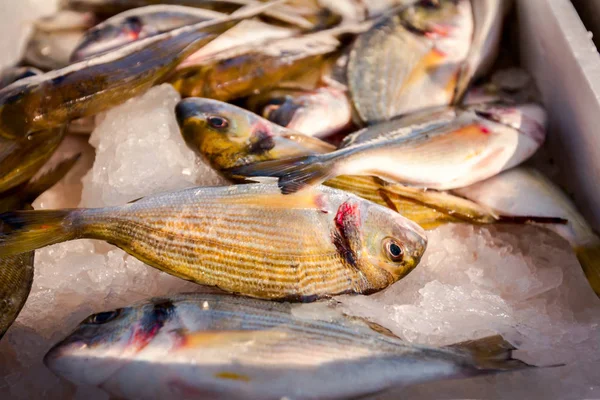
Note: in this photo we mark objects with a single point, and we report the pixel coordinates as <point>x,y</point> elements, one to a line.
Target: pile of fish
<point>347,129</point>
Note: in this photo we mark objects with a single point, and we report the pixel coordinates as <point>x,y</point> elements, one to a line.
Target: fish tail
<point>491,354</point>
<point>589,258</point>
<point>23,231</point>
<point>293,173</point>
<point>38,186</point>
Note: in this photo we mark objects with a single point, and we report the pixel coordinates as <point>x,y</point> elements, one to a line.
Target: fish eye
<point>218,122</point>
<point>393,250</point>
<point>103,317</point>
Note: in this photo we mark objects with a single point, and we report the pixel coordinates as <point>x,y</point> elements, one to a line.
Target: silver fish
<point>199,346</point>
<point>488,16</point>
<point>410,60</point>
<point>137,24</point>
<point>478,143</point>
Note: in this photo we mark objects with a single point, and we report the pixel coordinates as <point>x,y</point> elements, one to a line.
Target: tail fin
<point>589,258</point>
<point>293,173</point>
<point>491,354</point>
<point>23,231</point>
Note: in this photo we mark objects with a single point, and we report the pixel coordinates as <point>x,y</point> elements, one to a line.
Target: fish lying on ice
<point>198,346</point>
<point>246,239</point>
<point>479,142</point>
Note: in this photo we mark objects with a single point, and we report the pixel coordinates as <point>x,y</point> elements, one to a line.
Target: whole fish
<point>480,142</point>
<point>488,16</point>
<point>246,239</point>
<point>137,24</point>
<point>89,87</point>
<point>321,112</point>
<point>226,136</point>
<point>242,72</point>
<point>410,60</point>
<point>16,272</point>
<point>199,346</point>
<point>520,191</point>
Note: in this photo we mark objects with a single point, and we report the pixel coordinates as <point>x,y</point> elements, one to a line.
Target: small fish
<point>16,272</point>
<point>488,16</point>
<point>224,347</point>
<point>410,60</point>
<point>226,136</point>
<point>520,191</point>
<point>89,87</point>
<point>55,37</point>
<point>480,142</point>
<point>246,239</point>
<point>137,24</point>
<point>243,72</point>
<point>321,112</point>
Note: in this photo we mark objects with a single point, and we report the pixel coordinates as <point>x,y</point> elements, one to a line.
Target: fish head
<point>529,119</point>
<point>227,136</point>
<point>432,18</point>
<point>371,235</point>
<point>106,36</point>
<point>104,342</point>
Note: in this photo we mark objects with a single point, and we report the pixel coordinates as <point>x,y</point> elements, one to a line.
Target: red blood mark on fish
<point>347,231</point>
<point>484,130</point>
<point>142,336</point>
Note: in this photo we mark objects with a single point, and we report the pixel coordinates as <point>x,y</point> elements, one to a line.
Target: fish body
<point>89,87</point>
<point>410,60</point>
<point>480,142</point>
<point>246,239</point>
<point>243,72</point>
<point>137,24</point>
<point>488,16</point>
<point>10,75</point>
<point>520,191</point>
<point>321,112</point>
<point>198,346</point>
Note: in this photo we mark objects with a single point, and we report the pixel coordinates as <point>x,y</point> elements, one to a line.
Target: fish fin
<point>23,231</point>
<point>589,258</point>
<point>312,143</point>
<point>308,199</point>
<point>444,202</point>
<point>530,219</point>
<point>491,354</point>
<point>293,173</point>
<point>38,186</point>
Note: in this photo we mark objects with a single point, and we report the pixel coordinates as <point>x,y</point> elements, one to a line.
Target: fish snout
<point>184,110</point>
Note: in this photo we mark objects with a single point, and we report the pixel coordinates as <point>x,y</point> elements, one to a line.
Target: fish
<point>245,71</point>
<point>246,239</point>
<point>480,142</point>
<point>16,272</point>
<point>321,112</point>
<point>226,136</point>
<point>91,86</point>
<point>224,347</point>
<point>488,16</point>
<point>55,37</point>
<point>524,190</point>
<point>410,60</point>
<point>137,24</point>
